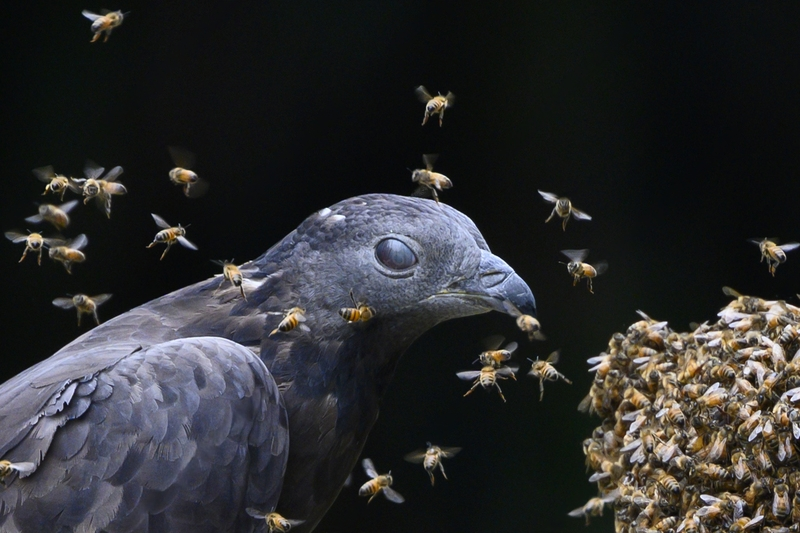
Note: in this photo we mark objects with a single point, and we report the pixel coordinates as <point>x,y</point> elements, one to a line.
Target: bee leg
<point>108,34</point>
<point>541,389</point>
<point>96,36</point>
<point>79,317</point>
<point>425,118</point>
<point>96,319</point>
<point>24,253</point>
<point>373,497</point>
<point>166,250</point>
<point>500,391</point>
<point>564,223</point>
<point>435,195</point>
<point>430,475</point>
<point>241,289</point>
<point>589,284</point>
<point>441,467</point>
<point>477,382</point>
<point>553,212</point>
<point>441,117</point>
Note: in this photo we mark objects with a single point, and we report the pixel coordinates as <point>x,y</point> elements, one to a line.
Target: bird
<point>182,413</point>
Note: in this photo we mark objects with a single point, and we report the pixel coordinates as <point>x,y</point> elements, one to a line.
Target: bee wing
<point>757,242</point>
<point>550,197</point>
<point>392,495</point>
<point>181,157</point>
<point>511,346</point>
<point>789,246</point>
<point>198,188</point>
<point>34,219</point>
<point>255,513</point>
<point>576,255</point>
<point>188,244</point>
<point>100,298</point>
<point>423,94</point>
<point>730,292</point>
<point>76,185</point>
<point>468,374</point>
<point>601,267</point>
<point>553,357</point>
<point>293,522</point>
<point>415,456</point>
<point>63,303</point>
<point>506,370</point>
<point>113,174</point>
<point>580,215</point>
<point>44,174</point>
<point>160,222</point>
<point>92,170</point>
<point>50,242</point>
<point>15,236</point>
<point>300,317</point>
<point>449,451</point>
<point>492,342</point>
<point>68,206</point>
<point>369,467</point>
<point>451,98</point>
<point>89,15</point>
<point>23,467</point>
<point>429,159</point>
<point>580,511</point>
<point>79,242</point>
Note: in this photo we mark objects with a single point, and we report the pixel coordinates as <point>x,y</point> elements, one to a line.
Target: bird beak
<point>495,286</point>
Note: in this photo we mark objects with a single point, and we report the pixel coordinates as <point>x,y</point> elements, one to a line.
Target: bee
<point>34,242</point>
<point>714,507</point>
<point>68,252</point>
<point>428,180</point>
<point>774,254</point>
<point>105,22</point>
<point>742,523</point>
<point>637,398</point>
<point>56,183</point>
<point>487,377</point>
<point>493,356</point>
<point>193,185</point>
<point>714,396</point>
<point>578,269</point>
<point>99,189</point>
<point>360,312</point>
<point>712,471</point>
<point>7,467</point>
<point>85,305</point>
<point>231,273</point>
<point>56,215</point>
<point>781,505</point>
<point>525,323</point>
<point>740,468</point>
<point>545,371</point>
<point>293,318</point>
<point>762,459</point>
<point>796,507</point>
<point>431,457</point>
<point>275,522</point>
<point>169,235</point>
<point>594,507</point>
<point>563,208</point>
<point>434,104</point>
<point>378,483</point>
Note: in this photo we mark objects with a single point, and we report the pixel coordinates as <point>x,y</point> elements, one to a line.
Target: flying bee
<point>360,312</point>
<point>193,185</point>
<point>170,235</point>
<point>56,183</point>
<point>487,377</point>
<point>434,104</point>
<point>431,457</point>
<point>578,269</point>
<point>493,356</point>
<point>106,21</point>
<point>34,243</point>
<point>594,507</point>
<point>429,181</point>
<point>563,208</point>
<point>293,318</point>
<point>85,305</point>
<point>7,467</point>
<point>231,273</point>
<point>378,483</point>
<point>56,215</point>
<point>545,371</point>
<point>99,189</point>
<point>68,252</point>
<point>275,522</point>
<point>774,254</point>
<point>525,323</point>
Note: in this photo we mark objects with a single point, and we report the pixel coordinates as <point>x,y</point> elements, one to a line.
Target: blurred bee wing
<point>255,513</point>
<point>580,215</point>
<point>101,298</point>
<point>44,174</point>
<point>601,267</point>
<point>23,467</point>
<point>186,243</point>
<point>451,98</point>
<point>511,308</point>
<point>727,291</point>
<point>550,197</point>
<point>449,451</point>
<point>113,174</point>
<point>507,370</point>
<point>789,246</point>
<point>34,219</point>
<point>160,222</point>
<point>423,94</point>
<point>369,467</point>
<point>50,242</point>
<point>293,522</point>
<point>468,374</point>
<point>492,342</point>
<point>15,236</point>
<point>392,495</point>
<point>181,157</point>
<point>429,159</point>
<point>63,303</point>
<point>76,185</point>
<point>576,255</point>
<point>416,456</point>
<point>68,206</point>
<point>553,357</point>
<point>89,15</point>
<point>511,347</point>
<point>198,188</point>
<point>79,242</point>
<point>92,170</point>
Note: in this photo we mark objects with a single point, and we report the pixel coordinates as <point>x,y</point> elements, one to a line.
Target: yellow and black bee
<point>360,312</point>
<point>104,22</point>
<point>434,105</point>
<point>293,318</point>
<point>380,483</point>
<point>170,235</point>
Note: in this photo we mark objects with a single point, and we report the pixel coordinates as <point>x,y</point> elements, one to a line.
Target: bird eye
<point>395,255</point>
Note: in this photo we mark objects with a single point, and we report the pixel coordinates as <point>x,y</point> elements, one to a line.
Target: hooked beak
<point>495,287</point>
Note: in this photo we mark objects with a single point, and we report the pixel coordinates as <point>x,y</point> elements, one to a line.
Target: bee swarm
<point>700,429</point>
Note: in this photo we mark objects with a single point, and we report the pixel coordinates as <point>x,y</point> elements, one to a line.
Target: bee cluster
<point>699,429</point>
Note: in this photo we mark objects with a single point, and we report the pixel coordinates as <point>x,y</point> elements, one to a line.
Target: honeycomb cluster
<point>700,430</point>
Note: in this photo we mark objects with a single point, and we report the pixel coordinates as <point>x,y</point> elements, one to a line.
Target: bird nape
<point>184,412</point>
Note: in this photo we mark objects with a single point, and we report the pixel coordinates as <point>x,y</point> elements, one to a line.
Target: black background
<point>675,125</point>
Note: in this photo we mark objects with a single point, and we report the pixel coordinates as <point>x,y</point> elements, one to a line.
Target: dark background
<point>675,125</point>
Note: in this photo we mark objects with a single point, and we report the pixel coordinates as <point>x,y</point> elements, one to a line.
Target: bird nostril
<point>491,279</point>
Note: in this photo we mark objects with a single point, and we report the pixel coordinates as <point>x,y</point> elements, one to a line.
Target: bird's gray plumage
<point>165,418</point>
